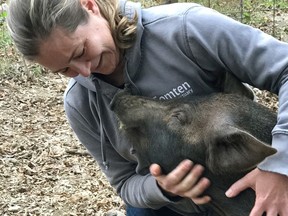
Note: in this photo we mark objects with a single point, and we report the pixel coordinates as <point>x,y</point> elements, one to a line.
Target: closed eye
<point>82,53</point>
<point>64,70</point>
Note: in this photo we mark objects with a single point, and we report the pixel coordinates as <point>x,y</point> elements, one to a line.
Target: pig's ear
<point>233,150</point>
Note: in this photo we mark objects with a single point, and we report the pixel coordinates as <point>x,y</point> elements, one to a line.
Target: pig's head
<point>203,134</point>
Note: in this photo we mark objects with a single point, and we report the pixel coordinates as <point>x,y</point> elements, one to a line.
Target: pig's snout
<point>132,110</point>
<point>121,102</point>
<point>124,102</point>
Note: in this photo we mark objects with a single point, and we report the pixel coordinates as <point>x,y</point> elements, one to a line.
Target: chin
<point>110,71</point>
<point>104,72</point>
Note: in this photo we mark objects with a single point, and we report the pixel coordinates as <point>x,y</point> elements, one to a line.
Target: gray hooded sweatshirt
<point>181,49</point>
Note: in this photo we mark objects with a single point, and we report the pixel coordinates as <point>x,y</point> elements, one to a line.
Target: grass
<point>6,51</point>
<point>9,57</point>
<point>12,64</point>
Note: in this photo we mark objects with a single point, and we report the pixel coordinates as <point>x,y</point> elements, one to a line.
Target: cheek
<point>93,49</point>
<point>108,63</point>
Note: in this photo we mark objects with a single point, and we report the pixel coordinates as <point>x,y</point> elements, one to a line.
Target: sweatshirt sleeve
<point>217,42</point>
<point>134,189</point>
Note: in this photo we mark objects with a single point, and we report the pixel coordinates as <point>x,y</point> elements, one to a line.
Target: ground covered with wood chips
<point>44,170</point>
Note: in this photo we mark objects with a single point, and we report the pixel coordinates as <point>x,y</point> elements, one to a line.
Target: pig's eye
<point>179,116</point>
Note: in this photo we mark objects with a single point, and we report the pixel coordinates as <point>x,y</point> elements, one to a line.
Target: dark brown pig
<point>167,1</point>
<point>227,133</point>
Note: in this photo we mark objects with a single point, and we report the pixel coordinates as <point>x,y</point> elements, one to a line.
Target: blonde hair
<point>32,21</point>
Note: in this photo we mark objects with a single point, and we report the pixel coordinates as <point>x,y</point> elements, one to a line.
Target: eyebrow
<point>69,60</point>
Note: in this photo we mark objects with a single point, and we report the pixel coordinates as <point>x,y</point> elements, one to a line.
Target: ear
<point>233,150</point>
<point>233,85</point>
<point>90,5</point>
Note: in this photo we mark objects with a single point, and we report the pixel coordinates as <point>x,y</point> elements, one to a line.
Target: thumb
<point>239,186</point>
<point>155,170</point>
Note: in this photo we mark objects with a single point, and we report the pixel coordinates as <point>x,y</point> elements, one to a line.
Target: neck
<point>117,77</point>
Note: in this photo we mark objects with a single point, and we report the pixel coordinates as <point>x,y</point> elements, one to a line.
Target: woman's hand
<point>185,181</point>
<point>271,192</point>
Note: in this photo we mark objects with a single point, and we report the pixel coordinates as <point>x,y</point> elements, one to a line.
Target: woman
<point>105,45</point>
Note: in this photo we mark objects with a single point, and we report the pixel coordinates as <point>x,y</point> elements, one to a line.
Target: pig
<point>168,1</point>
<point>227,133</point>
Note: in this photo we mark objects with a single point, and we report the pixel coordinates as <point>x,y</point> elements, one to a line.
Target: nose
<point>82,67</point>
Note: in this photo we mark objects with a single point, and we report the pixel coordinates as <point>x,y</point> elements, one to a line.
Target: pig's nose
<point>82,67</point>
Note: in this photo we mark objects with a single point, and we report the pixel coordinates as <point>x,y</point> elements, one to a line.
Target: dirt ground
<point>44,170</point>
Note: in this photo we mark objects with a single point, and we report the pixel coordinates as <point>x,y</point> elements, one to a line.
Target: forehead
<point>57,48</point>
<point>59,40</point>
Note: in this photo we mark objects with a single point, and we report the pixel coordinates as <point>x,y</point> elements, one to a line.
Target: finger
<point>201,200</point>
<point>257,211</point>
<point>198,189</point>
<point>172,181</point>
<point>177,175</point>
<point>260,212</point>
<point>155,170</point>
<point>261,206</point>
<point>189,181</point>
<point>284,210</point>
<point>272,213</point>
<point>238,187</point>
<point>192,177</point>
<point>274,210</point>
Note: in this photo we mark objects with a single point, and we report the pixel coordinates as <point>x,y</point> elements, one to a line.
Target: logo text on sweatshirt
<point>181,90</point>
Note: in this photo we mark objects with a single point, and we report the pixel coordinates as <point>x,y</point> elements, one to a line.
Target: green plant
<point>6,46</point>
<point>4,38</point>
<point>12,64</point>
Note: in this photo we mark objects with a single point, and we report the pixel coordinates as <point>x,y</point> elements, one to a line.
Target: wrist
<point>169,195</point>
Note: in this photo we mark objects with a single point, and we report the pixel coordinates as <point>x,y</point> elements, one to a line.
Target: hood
<point>94,84</point>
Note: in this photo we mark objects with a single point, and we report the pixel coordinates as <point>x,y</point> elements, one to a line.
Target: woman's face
<point>89,49</point>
